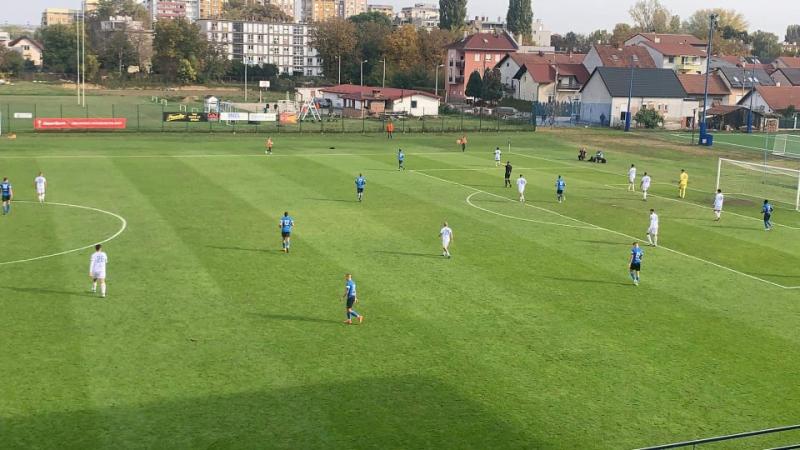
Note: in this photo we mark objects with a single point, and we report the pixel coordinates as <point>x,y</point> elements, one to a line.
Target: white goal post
<point>786,145</point>
<point>759,181</point>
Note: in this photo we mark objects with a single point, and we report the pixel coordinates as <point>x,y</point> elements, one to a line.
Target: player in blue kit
<point>560,185</point>
<point>286,225</point>
<point>7,194</point>
<point>766,210</point>
<point>635,264</point>
<point>351,299</point>
<point>360,183</point>
<point>401,159</point>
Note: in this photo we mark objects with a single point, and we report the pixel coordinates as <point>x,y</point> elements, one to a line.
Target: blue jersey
<point>351,288</point>
<point>766,209</point>
<point>401,156</point>
<point>360,182</point>
<point>286,224</point>
<point>560,184</point>
<point>5,188</point>
<point>636,254</point>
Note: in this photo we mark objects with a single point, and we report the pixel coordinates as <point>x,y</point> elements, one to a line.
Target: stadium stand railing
<point>698,443</point>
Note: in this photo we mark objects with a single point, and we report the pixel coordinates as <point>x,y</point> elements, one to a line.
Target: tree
<point>373,30</point>
<point>335,38</point>
<point>675,25</point>
<point>492,87</point>
<point>117,52</point>
<point>452,14</point>
<point>371,17</point>
<point>403,47</point>
<point>11,61</point>
<point>186,72</point>
<point>648,117</point>
<point>14,31</point>
<point>256,12</point>
<point>177,42</point>
<point>765,45</point>
<point>650,16</point>
<point>792,34</point>
<point>519,19</point>
<point>729,22</point>
<point>215,65</point>
<point>59,43</point>
<point>595,37</point>
<point>620,34</point>
<point>474,85</point>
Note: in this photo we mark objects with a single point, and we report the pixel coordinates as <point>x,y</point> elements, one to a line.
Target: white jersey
<point>446,233</point>
<point>497,155</point>
<point>521,182</point>
<point>653,223</point>
<point>40,182</point>
<point>632,174</point>
<point>646,182</point>
<point>97,264</point>
<point>718,200</point>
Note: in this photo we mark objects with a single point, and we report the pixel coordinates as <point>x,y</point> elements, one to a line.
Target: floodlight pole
<point>712,20</point>
<point>436,89</point>
<point>362,73</point>
<point>78,56</point>
<point>83,53</point>
<point>750,109</point>
<point>383,83</point>
<point>630,94</point>
<point>245,78</point>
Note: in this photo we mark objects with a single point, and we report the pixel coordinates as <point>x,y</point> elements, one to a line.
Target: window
<point>26,47</point>
<point>477,57</point>
<point>413,104</point>
<point>250,47</point>
<point>671,59</point>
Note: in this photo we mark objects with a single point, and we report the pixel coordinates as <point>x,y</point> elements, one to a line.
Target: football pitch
<point>531,336</point>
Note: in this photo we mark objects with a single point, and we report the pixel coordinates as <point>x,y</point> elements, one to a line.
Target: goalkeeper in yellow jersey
<point>683,181</point>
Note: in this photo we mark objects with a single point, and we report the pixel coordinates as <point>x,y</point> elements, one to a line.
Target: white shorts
<point>40,191</point>
<point>652,231</point>
<point>99,274</point>
<point>521,191</point>
<point>631,180</point>
<point>445,243</point>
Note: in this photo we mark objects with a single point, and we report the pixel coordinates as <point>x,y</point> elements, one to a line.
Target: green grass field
<point>531,336</point>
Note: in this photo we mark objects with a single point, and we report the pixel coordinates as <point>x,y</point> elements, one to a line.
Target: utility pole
<point>78,56</point>
<point>712,21</point>
<point>362,72</point>
<point>383,83</point>
<point>245,78</point>
<point>630,94</point>
<point>339,57</point>
<point>436,91</point>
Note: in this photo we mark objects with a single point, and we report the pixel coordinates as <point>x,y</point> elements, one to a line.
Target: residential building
<point>537,82</point>
<point>475,52</point>
<point>350,8</point>
<point>421,15</point>
<point>787,62</point>
<point>287,6</point>
<point>718,92</point>
<point>286,45</point>
<point>735,117</point>
<point>319,10</point>
<point>511,63</point>
<point>59,16</point>
<point>30,49</point>
<point>741,79</point>
<point>604,98</point>
<point>4,37</point>
<point>681,57</point>
<point>120,23</point>
<point>665,38</point>
<point>358,101</point>
<point>540,36</point>
<point>773,99</point>
<point>484,25</point>
<point>212,9</point>
<point>172,9</point>
<point>140,39</point>
<point>383,9</point>
<point>786,77</point>
<point>610,56</point>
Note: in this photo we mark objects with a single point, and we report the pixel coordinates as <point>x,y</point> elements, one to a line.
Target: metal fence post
<point>480,119</point>
<point>8,114</point>
<point>462,121</point>
<point>363,122</point>
<point>34,111</point>
<point>138,120</point>
<point>112,112</point>
<point>87,110</point>
<point>162,117</point>
<point>61,111</point>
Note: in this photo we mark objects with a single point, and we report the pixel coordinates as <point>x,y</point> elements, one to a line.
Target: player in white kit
<point>446,233</point>
<point>719,199</point>
<point>645,185</point>
<point>40,183</point>
<point>521,182</point>
<point>652,231</point>
<point>631,178</point>
<point>497,154</point>
<point>97,269</point>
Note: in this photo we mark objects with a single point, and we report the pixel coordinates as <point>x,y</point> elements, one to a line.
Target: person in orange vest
<point>390,130</point>
<point>268,144</point>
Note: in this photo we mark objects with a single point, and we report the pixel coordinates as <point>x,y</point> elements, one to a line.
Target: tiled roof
<point>745,77</point>
<point>779,98</point>
<point>486,41</point>
<point>621,57</point>
<point>17,40</point>
<point>790,61</point>
<point>577,70</point>
<point>352,91</point>
<point>676,49</point>
<point>664,38</point>
<point>654,83</point>
<point>546,58</point>
<point>793,75</point>
<point>694,84</point>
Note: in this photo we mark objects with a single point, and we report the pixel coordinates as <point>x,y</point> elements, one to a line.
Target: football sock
<point>633,276</point>
<point>655,240</point>
<point>94,286</point>
<point>103,289</point>
<point>354,313</point>
<point>649,239</point>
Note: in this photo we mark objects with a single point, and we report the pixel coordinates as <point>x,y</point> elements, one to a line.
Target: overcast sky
<point>576,15</point>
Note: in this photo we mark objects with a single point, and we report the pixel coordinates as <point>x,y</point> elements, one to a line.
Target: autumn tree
<point>765,45</point>
<point>729,22</point>
<point>452,14</point>
<point>178,49</point>
<point>650,16</point>
<point>333,39</point>
<point>621,33</point>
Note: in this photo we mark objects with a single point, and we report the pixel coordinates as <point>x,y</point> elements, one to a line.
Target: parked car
<point>505,111</point>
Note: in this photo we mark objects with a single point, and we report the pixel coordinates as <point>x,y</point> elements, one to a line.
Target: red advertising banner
<point>80,124</point>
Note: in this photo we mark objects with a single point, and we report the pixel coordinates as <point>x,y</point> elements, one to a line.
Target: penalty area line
<point>618,233</point>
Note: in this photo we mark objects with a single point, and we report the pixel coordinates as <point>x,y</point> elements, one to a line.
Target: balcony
<point>689,67</point>
<point>459,80</point>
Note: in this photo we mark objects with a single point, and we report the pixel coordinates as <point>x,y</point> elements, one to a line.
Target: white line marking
<point>89,208</point>
<point>588,224</point>
<point>726,143</point>
<point>469,202</point>
<point>499,169</point>
<point>220,155</point>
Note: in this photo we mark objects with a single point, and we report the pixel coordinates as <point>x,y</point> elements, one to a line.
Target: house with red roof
<point>718,92</point>
<point>358,101</point>
<point>787,62</point>
<point>610,56</point>
<point>773,99</point>
<point>30,49</point>
<point>532,76</point>
<point>475,52</point>
<point>680,57</point>
<point>665,38</point>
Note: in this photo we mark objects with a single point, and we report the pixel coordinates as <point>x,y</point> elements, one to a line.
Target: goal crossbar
<point>759,180</point>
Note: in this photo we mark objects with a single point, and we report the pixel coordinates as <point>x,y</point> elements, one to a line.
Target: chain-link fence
<point>20,117</point>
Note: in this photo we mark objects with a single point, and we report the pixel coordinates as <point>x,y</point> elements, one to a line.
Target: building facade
<point>421,15</point>
<point>59,16</point>
<point>540,35</point>
<point>286,45</point>
<point>383,9</point>
<point>29,49</point>
<point>475,52</point>
<point>212,9</point>
<point>350,8</point>
<point>319,10</point>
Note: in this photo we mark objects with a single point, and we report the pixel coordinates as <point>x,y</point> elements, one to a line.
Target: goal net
<point>786,145</point>
<point>758,182</point>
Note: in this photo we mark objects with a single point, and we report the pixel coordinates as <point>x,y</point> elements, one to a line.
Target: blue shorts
<point>359,190</point>
<point>350,302</point>
<point>286,234</point>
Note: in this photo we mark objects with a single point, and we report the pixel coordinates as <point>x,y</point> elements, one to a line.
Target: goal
<point>757,182</point>
<point>786,145</point>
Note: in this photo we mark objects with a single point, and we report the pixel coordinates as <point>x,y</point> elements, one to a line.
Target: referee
<point>508,174</point>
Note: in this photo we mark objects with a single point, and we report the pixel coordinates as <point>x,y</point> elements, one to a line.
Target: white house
<point>356,101</point>
<point>604,98</point>
<point>773,99</point>
<point>28,48</point>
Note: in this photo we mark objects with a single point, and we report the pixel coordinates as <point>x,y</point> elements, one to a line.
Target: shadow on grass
<point>297,318</point>
<point>240,249</point>
<point>583,280</point>
<point>627,244</point>
<point>332,200</point>
<point>374,413</point>
<point>44,291</point>
<point>423,255</point>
